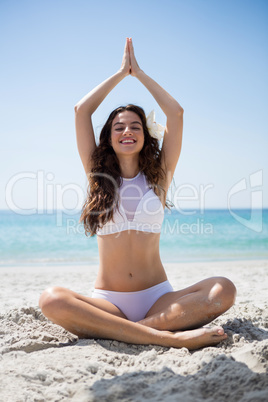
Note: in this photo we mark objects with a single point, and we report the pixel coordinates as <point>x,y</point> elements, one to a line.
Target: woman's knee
<point>225,290</point>
<point>53,300</point>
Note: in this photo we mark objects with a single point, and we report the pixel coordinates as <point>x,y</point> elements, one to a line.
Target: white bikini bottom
<point>135,305</point>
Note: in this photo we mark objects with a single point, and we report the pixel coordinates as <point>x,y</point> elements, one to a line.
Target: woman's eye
<point>135,128</point>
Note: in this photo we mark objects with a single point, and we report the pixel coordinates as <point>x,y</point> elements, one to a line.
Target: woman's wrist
<point>138,74</point>
<point>123,73</point>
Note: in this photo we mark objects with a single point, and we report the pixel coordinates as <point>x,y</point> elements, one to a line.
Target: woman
<point>129,177</point>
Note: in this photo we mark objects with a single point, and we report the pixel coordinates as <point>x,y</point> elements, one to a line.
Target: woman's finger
<point>125,67</point>
<point>126,46</point>
<point>131,49</point>
<point>128,49</point>
<point>133,62</point>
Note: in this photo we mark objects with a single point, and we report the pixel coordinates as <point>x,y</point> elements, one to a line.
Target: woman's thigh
<point>59,294</point>
<point>204,288</point>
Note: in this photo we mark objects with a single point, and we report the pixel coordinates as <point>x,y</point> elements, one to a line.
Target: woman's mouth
<point>128,141</point>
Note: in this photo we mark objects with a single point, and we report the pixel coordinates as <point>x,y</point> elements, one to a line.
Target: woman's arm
<point>87,106</point>
<point>174,112</point>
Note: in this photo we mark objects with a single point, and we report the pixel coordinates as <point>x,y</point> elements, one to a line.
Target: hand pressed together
<point>129,63</point>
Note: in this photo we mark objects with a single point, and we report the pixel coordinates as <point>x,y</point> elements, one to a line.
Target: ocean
<point>58,238</point>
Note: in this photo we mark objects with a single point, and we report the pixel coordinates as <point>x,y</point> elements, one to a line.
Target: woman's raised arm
<point>88,104</point>
<point>174,112</point>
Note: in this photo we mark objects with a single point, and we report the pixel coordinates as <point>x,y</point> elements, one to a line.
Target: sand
<point>39,361</point>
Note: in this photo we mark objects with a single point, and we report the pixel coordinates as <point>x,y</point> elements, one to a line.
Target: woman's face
<point>127,136</point>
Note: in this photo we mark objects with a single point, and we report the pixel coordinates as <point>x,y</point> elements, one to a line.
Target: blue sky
<point>212,56</point>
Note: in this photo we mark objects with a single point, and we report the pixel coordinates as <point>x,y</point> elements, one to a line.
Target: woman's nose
<point>127,131</point>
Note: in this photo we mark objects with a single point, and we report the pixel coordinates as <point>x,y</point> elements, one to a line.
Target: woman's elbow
<point>177,110</point>
<point>79,107</point>
<point>180,111</point>
<point>76,108</point>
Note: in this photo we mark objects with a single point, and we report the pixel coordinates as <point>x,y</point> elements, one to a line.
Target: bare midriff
<point>129,261</point>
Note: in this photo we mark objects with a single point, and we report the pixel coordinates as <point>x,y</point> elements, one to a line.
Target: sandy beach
<point>42,362</point>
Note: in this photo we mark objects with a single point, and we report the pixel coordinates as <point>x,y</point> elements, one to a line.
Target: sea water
<point>210,235</point>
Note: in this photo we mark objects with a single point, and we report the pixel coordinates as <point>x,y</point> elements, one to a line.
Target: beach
<point>157,136</point>
<point>42,362</point>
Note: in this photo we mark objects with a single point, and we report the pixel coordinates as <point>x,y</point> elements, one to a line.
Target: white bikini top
<point>139,209</point>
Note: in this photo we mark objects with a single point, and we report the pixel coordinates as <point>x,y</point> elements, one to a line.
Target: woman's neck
<point>129,167</point>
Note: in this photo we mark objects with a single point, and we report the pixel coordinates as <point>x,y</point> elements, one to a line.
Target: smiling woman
<point>127,130</point>
<point>125,143</point>
<point>129,176</point>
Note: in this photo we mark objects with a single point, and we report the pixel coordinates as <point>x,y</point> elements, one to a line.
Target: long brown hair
<point>105,176</point>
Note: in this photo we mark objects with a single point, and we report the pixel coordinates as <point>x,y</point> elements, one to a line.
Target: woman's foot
<point>199,338</point>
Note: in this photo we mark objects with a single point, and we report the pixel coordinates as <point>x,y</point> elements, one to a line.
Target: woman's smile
<point>127,130</point>
<point>128,141</point>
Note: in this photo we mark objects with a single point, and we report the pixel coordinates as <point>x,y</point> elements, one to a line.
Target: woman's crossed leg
<point>169,322</point>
